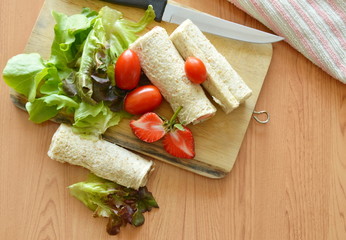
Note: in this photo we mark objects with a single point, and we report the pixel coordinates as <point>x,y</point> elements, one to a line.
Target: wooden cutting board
<point>217,140</point>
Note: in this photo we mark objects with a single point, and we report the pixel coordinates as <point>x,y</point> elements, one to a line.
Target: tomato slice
<point>127,70</point>
<point>142,99</point>
<point>195,70</point>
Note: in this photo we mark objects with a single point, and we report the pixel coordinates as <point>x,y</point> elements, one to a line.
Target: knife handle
<point>158,5</point>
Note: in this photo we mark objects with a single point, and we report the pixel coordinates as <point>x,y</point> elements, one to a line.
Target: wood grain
<point>216,152</point>
<point>289,180</point>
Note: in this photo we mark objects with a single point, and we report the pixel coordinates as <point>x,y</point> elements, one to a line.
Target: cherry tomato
<point>127,70</point>
<point>195,70</point>
<point>142,99</point>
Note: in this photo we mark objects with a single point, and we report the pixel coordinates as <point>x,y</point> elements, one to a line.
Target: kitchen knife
<point>174,13</point>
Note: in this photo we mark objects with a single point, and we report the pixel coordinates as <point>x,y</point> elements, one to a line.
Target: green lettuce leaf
<point>95,41</point>
<point>47,107</point>
<point>111,35</point>
<point>120,204</point>
<point>68,85</point>
<point>122,32</point>
<point>24,72</point>
<point>93,120</point>
<point>70,34</point>
<point>84,45</point>
<point>92,192</point>
<point>52,81</point>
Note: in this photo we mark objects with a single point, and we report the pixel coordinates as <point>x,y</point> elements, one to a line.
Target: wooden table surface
<point>289,180</point>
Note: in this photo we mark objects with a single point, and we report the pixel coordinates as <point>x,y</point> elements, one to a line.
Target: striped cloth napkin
<point>316,28</point>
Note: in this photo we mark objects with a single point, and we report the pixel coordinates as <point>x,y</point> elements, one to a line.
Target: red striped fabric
<point>316,28</point>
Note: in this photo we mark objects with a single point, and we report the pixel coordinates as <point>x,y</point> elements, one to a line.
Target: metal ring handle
<point>260,113</point>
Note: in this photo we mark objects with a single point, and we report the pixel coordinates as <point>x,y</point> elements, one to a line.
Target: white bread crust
<point>103,158</point>
<point>164,67</point>
<point>223,83</point>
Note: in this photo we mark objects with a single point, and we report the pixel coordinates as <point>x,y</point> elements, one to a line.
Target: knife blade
<point>174,13</point>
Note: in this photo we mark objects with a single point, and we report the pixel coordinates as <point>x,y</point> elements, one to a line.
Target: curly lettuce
<point>85,47</point>
<point>23,73</point>
<point>47,107</point>
<point>111,35</point>
<point>120,204</point>
<point>99,116</point>
<point>70,33</point>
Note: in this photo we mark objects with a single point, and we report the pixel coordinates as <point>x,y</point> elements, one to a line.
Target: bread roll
<point>223,83</point>
<point>164,67</point>
<point>103,158</point>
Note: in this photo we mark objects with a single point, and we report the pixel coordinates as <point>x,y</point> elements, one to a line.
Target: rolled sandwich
<point>223,83</point>
<point>164,67</point>
<point>103,158</point>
